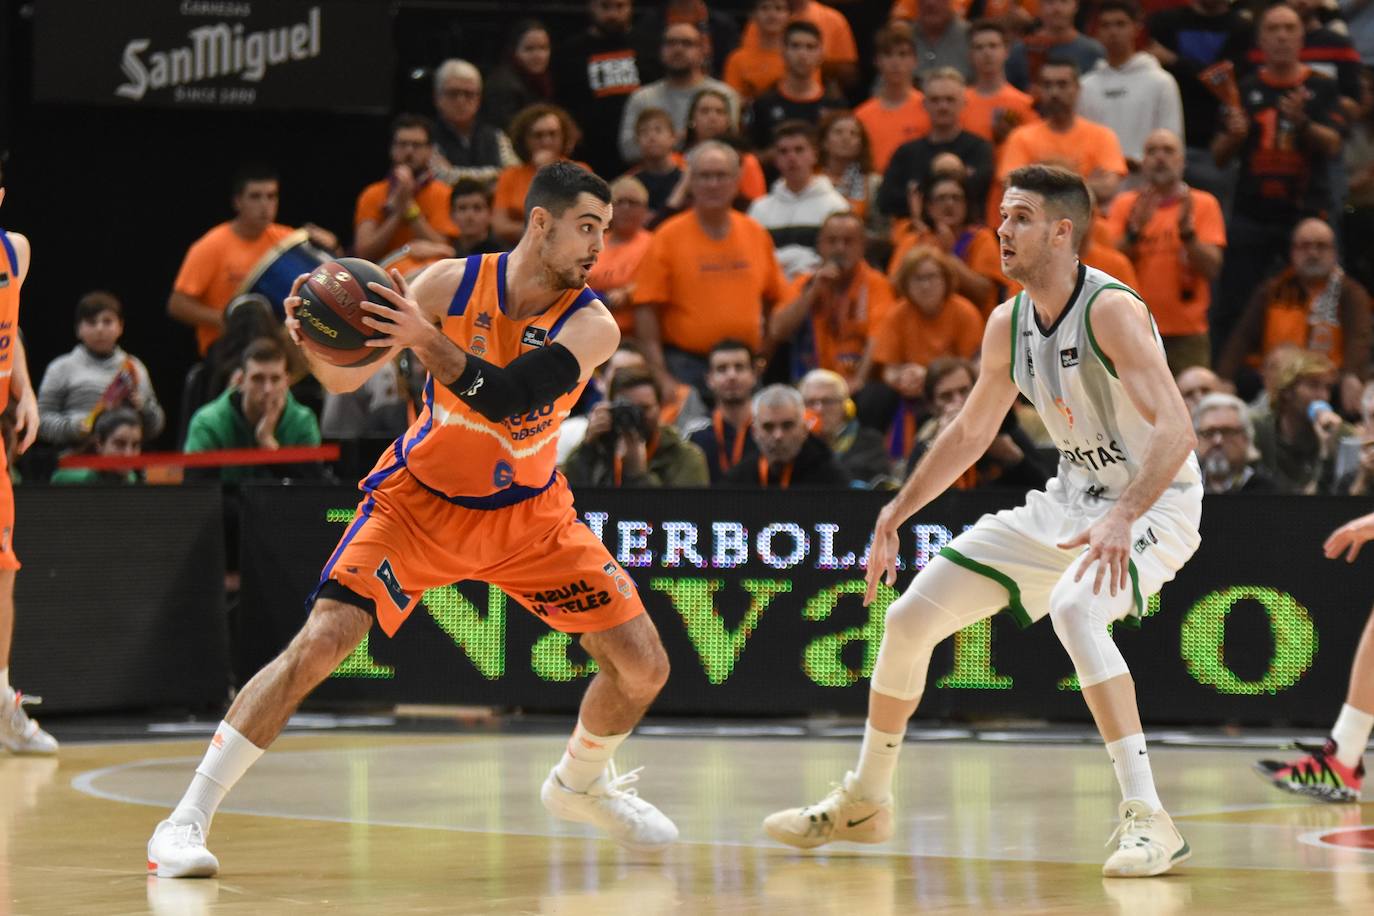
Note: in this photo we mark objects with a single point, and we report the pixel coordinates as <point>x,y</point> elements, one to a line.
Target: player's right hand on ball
<point>290,304</point>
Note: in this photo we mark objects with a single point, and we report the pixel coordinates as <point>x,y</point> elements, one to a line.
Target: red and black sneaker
<point>1318,775</point>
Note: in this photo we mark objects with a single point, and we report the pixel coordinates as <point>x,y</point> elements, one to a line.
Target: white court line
<point>85,782</point>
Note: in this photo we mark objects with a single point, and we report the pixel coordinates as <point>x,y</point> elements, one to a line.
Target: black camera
<point>627,416</point>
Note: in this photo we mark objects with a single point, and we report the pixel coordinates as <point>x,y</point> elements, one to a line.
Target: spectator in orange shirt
<point>930,319</point>
<point>896,113</point>
<point>1314,305</point>
<point>940,217</point>
<point>993,106</point>
<point>709,274</point>
<point>846,158</point>
<point>540,134</point>
<point>752,69</point>
<point>1064,138</point>
<point>219,261</point>
<point>409,206</point>
<point>839,53</point>
<point>710,117</point>
<point>832,312</point>
<point>1175,237</point>
<point>626,244</point>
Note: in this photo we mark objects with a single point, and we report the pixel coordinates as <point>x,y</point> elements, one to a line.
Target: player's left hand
<point>26,420</point>
<point>1109,546</point>
<point>403,323</point>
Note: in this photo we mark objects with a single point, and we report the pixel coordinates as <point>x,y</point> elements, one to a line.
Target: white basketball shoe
<point>841,815</point>
<point>608,804</point>
<point>18,733</point>
<point>178,851</point>
<point>1147,843</point>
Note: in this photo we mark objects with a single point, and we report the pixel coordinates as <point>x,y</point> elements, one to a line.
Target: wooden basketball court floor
<point>399,823</point>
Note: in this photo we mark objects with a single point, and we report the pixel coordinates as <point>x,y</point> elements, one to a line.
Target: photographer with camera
<point>626,446</point>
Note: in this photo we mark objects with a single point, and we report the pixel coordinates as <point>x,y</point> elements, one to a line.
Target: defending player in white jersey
<point>1118,520</point>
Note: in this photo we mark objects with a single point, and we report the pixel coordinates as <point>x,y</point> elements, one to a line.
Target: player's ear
<point>235,378</point>
<point>540,217</point>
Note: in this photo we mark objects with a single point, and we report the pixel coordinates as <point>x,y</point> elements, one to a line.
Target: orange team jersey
<point>10,279</point>
<point>1085,147</point>
<point>459,496</point>
<point>837,39</point>
<point>616,267</point>
<point>215,267</point>
<point>1178,296</point>
<point>836,333</point>
<point>750,71</point>
<point>981,111</point>
<point>752,184</point>
<point>433,199</point>
<point>976,246</point>
<point>512,185</point>
<point>910,336</point>
<point>889,128</point>
<point>1289,321</point>
<point>708,289</point>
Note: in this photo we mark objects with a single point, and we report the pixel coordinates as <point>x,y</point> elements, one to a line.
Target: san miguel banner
<point>758,597</point>
<point>226,54</point>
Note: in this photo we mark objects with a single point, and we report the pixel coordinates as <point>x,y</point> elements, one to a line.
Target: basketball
<point>331,311</point>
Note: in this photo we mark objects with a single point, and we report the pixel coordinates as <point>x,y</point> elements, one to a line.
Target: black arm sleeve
<point>530,380</point>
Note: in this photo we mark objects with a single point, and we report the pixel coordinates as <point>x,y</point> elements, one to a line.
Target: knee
<point>329,635</point>
<point>914,621</point>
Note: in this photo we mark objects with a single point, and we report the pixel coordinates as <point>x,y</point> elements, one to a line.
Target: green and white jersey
<point>1100,435</point>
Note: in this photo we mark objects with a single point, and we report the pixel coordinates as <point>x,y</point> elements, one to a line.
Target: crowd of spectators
<point>803,256</point>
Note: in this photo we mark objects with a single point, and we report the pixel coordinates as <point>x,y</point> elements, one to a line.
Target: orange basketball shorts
<point>405,539</point>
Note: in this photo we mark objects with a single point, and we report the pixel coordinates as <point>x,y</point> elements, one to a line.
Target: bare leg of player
<point>18,733</point>
<point>257,716</point>
<point>1334,771</point>
<point>632,669</point>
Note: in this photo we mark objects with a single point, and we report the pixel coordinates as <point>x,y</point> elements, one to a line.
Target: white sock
<point>226,760</point>
<point>585,758</point>
<point>1132,765</point>
<point>1351,734</point>
<point>878,762</point>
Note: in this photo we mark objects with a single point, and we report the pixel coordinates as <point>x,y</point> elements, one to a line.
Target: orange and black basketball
<point>331,311</point>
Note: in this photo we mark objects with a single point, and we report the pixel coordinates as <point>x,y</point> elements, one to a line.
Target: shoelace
<point>1127,827</point>
<point>17,715</point>
<point>827,805</point>
<point>1315,768</point>
<point>613,785</point>
<point>188,835</point>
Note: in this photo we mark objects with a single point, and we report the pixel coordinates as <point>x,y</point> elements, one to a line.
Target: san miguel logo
<point>216,51</point>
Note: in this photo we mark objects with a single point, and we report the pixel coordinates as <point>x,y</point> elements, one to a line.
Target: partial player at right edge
<point>1334,771</point>
<point>1118,520</point>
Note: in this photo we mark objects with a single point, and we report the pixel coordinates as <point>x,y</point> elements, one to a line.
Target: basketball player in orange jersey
<point>18,733</point>
<point>470,491</point>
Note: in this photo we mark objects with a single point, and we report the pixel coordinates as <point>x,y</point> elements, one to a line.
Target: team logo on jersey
<point>1030,362</point>
<point>1146,541</point>
<point>479,345</point>
<point>502,475</point>
<point>622,582</point>
<point>483,321</point>
<point>1068,357</point>
<point>393,586</point>
<point>533,337</point>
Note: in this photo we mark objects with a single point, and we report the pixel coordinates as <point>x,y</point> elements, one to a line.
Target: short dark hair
<point>110,420</point>
<point>466,187</point>
<point>988,25</point>
<point>1119,6</point>
<point>796,128</point>
<point>801,25</point>
<point>1062,190</point>
<point>406,121</point>
<point>653,114</point>
<point>729,345</point>
<point>892,36</point>
<point>942,368</point>
<point>250,172</point>
<point>96,302</point>
<point>1062,62</point>
<point>263,350</point>
<point>628,377</point>
<point>557,186</point>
